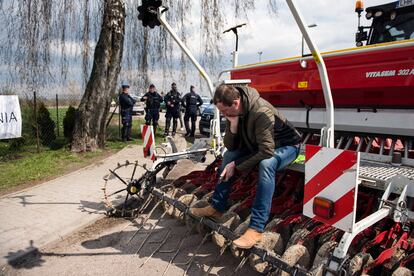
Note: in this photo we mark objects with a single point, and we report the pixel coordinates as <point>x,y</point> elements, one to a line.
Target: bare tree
<point>50,44</point>
<point>89,131</point>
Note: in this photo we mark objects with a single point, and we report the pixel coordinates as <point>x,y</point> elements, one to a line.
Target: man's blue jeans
<point>265,187</point>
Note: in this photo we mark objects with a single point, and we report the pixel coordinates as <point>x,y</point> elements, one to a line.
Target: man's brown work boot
<point>207,211</point>
<point>248,239</point>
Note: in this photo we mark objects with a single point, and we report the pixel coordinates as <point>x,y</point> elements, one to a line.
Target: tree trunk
<point>90,128</point>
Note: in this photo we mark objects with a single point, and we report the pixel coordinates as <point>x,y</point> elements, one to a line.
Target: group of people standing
<point>173,102</point>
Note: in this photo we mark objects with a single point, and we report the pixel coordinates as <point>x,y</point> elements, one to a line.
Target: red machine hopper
<point>377,76</point>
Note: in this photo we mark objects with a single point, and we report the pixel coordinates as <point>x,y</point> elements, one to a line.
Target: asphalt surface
<point>60,228</point>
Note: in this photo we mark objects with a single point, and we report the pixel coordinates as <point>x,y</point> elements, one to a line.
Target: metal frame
<point>216,121</point>
<point>381,122</point>
<point>386,209</point>
<point>327,132</point>
<point>266,256</point>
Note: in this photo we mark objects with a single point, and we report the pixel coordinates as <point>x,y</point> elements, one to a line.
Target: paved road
<point>47,212</point>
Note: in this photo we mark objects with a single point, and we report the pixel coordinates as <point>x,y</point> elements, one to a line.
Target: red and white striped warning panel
<point>148,136</point>
<point>331,177</point>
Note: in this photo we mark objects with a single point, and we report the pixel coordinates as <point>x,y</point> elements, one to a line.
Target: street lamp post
<point>303,40</point>
<point>260,56</point>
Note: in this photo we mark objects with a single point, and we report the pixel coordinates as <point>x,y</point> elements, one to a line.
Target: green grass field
<point>24,165</point>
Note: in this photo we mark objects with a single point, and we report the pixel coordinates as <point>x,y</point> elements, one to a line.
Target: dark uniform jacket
<point>191,101</point>
<point>126,102</point>
<point>153,100</point>
<point>174,98</point>
<point>261,129</point>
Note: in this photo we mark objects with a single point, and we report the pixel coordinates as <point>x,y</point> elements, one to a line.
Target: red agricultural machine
<point>347,207</point>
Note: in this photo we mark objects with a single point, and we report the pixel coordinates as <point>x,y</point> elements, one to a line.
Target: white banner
<point>10,117</point>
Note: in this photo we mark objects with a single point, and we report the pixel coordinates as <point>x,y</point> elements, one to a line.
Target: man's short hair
<point>152,86</point>
<point>226,94</point>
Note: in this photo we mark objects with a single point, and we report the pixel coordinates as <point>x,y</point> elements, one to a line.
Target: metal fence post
<point>57,114</point>
<point>36,122</point>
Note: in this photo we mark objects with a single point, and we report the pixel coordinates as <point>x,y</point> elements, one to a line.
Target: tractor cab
<point>390,22</point>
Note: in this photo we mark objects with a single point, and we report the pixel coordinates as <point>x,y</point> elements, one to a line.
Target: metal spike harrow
<point>291,244</point>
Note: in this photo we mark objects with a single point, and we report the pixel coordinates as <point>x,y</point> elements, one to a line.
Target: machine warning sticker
<point>303,84</point>
<point>390,73</point>
<point>316,58</point>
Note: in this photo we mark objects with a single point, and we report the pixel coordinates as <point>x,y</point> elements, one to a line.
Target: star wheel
<point>123,195</point>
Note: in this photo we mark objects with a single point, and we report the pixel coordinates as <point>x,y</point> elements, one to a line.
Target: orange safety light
<point>359,6</point>
<point>323,207</point>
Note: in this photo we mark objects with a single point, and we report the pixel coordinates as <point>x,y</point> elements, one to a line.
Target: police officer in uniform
<point>153,102</point>
<point>191,101</point>
<point>172,101</point>
<point>126,103</point>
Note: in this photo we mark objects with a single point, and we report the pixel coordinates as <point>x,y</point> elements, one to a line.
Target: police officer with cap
<point>173,102</point>
<point>153,102</point>
<point>191,101</point>
<point>126,103</point>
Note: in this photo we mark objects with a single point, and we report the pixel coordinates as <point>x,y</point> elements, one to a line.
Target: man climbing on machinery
<point>256,134</point>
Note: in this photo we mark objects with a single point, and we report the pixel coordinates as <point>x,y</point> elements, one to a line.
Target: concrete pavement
<point>33,217</point>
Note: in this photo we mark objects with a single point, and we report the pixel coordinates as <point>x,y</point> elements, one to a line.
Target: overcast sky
<point>279,36</point>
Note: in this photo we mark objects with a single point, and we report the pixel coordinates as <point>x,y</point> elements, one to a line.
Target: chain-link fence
<point>46,122</point>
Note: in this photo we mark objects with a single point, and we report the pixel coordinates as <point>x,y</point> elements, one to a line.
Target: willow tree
<point>90,124</point>
<point>50,46</point>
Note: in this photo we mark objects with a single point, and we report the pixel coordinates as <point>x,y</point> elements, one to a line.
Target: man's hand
<point>145,98</point>
<point>228,171</point>
<point>234,122</point>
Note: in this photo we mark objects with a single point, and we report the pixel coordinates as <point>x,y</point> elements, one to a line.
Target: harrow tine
<point>117,192</point>
<point>146,203</point>
<point>143,222</point>
<point>241,264</point>
<point>190,261</point>
<point>158,248</point>
<point>150,232</point>
<point>177,251</point>
<point>123,206</point>
<point>133,172</point>
<point>222,250</point>
<point>117,176</point>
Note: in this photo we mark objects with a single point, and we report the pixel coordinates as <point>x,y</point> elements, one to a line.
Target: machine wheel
<point>229,220</point>
<point>121,191</point>
<point>296,255</point>
<point>402,271</point>
<point>358,262</point>
<point>173,193</point>
<point>192,224</point>
<point>237,252</point>
<point>187,199</point>
<point>270,241</point>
